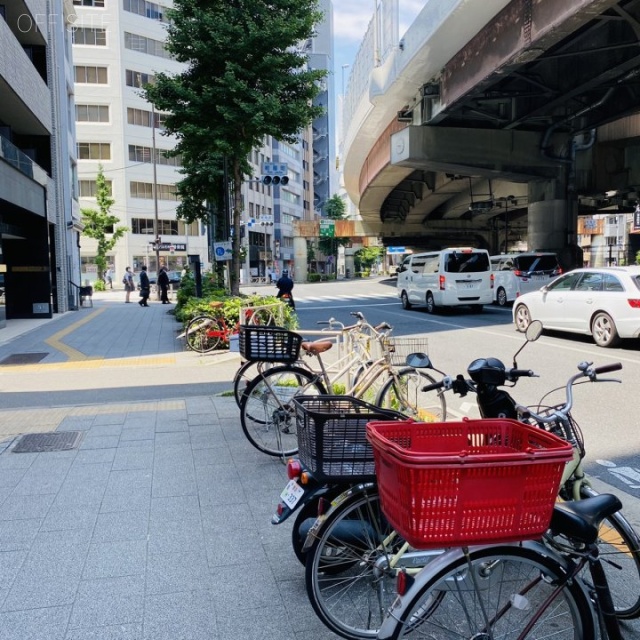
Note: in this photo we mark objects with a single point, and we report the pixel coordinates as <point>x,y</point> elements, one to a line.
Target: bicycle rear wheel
<point>266,412</point>
<point>619,548</point>
<point>348,578</point>
<point>203,334</point>
<point>262,318</point>
<point>496,596</point>
<point>403,393</point>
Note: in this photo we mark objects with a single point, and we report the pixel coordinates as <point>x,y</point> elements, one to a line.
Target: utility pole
<point>156,222</point>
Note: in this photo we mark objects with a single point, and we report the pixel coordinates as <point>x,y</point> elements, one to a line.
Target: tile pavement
<point>155,527</point>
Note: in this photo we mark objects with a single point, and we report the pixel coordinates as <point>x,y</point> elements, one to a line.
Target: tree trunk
<point>237,211</point>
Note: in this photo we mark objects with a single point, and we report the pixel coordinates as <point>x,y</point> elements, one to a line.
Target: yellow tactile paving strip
<point>97,363</point>
<point>55,340</point>
<point>18,421</point>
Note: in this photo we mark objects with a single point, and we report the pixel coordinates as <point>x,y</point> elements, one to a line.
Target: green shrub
<point>99,285</point>
<point>314,277</point>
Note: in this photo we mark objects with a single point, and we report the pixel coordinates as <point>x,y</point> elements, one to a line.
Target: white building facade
<point>118,48</point>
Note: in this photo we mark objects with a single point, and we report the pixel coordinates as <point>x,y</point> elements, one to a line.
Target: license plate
<point>537,278</point>
<point>291,494</point>
<point>468,285</point>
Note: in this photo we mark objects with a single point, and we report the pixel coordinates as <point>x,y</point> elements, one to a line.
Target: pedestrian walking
<point>127,281</point>
<point>145,287</point>
<point>163,283</point>
<point>108,278</point>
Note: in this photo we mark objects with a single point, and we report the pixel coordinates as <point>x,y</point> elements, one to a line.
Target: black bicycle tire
<point>574,594</point>
<point>388,385</point>
<point>212,343</point>
<point>631,541</point>
<point>237,380</point>
<point>296,371</point>
<point>363,577</point>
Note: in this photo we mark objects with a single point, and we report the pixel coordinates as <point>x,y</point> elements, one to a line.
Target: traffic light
<point>275,173</point>
<point>282,180</point>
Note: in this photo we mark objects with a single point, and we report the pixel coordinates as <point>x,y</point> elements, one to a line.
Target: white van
<point>518,273</point>
<point>446,278</point>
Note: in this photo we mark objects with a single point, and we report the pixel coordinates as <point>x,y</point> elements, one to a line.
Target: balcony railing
<point>22,162</point>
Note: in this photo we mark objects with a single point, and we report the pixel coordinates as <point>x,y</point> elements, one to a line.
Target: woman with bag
<point>127,281</point>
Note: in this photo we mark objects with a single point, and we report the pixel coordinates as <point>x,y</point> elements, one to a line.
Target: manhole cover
<point>24,358</point>
<point>44,442</point>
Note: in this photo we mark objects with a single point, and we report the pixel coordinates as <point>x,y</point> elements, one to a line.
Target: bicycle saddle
<point>580,519</point>
<point>319,346</point>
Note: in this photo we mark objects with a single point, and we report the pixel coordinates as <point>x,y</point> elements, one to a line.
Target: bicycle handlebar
<point>514,374</point>
<point>562,413</point>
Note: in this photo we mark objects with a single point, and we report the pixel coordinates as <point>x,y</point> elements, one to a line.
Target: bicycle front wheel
<point>494,594</point>
<point>203,334</point>
<point>247,372</point>
<point>267,414</point>
<point>349,581</point>
<point>619,548</point>
<point>403,393</point>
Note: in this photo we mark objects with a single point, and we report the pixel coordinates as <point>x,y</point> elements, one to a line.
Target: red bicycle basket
<point>469,482</point>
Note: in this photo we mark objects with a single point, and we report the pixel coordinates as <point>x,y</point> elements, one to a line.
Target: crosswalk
<point>392,295</point>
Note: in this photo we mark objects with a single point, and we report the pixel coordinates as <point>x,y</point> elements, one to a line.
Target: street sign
<point>222,250</point>
<point>391,250</point>
<point>327,229</point>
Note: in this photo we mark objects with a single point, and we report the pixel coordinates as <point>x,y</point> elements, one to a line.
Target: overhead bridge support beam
<point>510,155</point>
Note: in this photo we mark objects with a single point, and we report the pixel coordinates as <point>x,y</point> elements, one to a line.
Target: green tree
<point>100,224</point>
<point>366,257</point>
<point>245,79</point>
<point>335,209</point>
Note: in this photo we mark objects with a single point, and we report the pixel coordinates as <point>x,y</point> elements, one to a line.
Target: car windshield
<point>458,262</point>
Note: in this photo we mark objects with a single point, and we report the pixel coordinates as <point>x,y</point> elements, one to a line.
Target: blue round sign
<point>219,251</point>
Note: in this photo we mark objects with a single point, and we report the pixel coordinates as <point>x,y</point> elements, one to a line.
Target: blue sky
<point>350,21</point>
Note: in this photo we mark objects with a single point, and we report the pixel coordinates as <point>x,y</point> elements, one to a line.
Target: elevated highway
<point>494,121</point>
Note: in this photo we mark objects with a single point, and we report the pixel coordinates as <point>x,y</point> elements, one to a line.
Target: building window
<point>89,188</point>
<point>92,113</point>
<point>137,79</point>
<point>144,8</point>
<point>138,153</point>
<point>91,37</point>
<point>89,3</point>
<point>144,226</point>
<point>90,75</point>
<point>138,43</point>
<point>94,151</point>
<point>143,118</point>
<point>145,190</point>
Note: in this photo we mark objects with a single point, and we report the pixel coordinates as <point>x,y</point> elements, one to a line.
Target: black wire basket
<point>332,440</point>
<point>269,344</point>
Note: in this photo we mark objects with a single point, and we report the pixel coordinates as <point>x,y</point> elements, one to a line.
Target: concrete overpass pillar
<point>552,222</point>
<point>300,259</point>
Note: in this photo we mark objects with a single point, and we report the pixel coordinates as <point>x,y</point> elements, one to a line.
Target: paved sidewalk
<point>157,525</point>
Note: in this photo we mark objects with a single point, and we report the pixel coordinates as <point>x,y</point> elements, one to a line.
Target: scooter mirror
<point>418,360</point>
<point>534,331</point>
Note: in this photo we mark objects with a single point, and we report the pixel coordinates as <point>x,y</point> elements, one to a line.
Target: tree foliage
<point>366,257</point>
<point>100,224</point>
<point>245,79</point>
<point>335,209</point>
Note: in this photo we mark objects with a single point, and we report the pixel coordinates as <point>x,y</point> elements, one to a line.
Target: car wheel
<point>405,300</point>
<point>431,305</point>
<point>501,297</point>
<point>522,318</point>
<point>603,330</point>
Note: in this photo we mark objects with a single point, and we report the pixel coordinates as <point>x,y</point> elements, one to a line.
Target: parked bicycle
<point>204,333</point>
<point>353,553</point>
<point>493,483</point>
<point>355,340</point>
<point>266,410</point>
